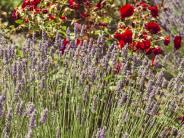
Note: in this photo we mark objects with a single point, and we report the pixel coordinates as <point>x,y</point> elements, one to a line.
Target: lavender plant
<point>70,88</point>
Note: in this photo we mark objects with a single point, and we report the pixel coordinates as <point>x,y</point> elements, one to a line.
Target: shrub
<point>88,89</point>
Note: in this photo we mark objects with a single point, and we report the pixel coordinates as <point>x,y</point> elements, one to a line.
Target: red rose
<point>157,51</point>
<point>152,27</point>
<point>121,44</point>
<point>143,45</point>
<point>37,10</point>
<point>154,10</point>
<point>73,5</point>
<point>139,45</point>
<point>177,42</point>
<point>167,40</point>
<point>126,11</point>
<point>149,51</point>
<point>127,36</point>
<point>146,43</point>
<point>118,36</point>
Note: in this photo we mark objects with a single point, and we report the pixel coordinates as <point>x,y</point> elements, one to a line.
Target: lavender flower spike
<point>44,116</point>
<point>101,133</point>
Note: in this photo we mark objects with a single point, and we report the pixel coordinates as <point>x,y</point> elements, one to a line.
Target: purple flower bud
<point>119,85</point>
<point>82,30</point>
<point>75,30</point>
<point>68,33</point>
<point>101,133</point>
<point>149,86</point>
<point>57,39</point>
<point>19,108</point>
<point>44,36</point>
<point>164,83</point>
<point>32,120</point>
<point>44,116</point>
<point>160,78</point>
<point>123,99</point>
<point>42,83</point>
<point>30,109</point>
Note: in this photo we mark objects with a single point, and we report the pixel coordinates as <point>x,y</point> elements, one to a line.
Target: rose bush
<point>140,29</point>
<point>54,16</point>
<point>136,24</point>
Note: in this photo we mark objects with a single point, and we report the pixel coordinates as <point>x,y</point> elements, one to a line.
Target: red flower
<point>157,51</point>
<point>154,10</point>
<point>181,119</point>
<point>44,11</point>
<point>25,3</point>
<point>143,45</point>
<point>152,27</point>
<point>72,4</point>
<point>84,15</point>
<point>30,3</point>
<point>126,11</point>
<point>15,14</point>
<point>146,43</point>
<point>51,17</point>
<point>121,44</point>
<point>77,42</point>
<point>149,51</point>
<point>26,20</point>
<point>65,42</point>
<point>167,40</point>
<point>117,67</point>
<point>37,10</point>
<point>126,36</point>
<point>177,42</point>
<point>118,36</point>
<point>63,18</point>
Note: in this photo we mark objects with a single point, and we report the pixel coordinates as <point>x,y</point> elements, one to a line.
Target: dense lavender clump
<point>85,88</point>
<point>171,17</point>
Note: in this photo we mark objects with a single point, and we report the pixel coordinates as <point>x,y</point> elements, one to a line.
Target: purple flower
<point>101,133</point>
<point>44,116</point>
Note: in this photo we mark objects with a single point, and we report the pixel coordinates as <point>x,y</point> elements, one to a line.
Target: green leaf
<point>19,21</point>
